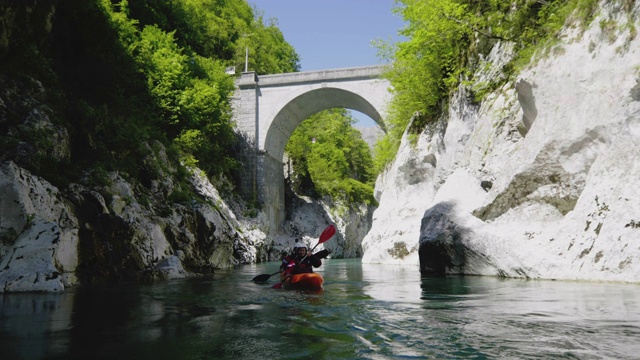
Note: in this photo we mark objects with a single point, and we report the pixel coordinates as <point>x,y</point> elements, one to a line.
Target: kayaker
<point>300,262</point>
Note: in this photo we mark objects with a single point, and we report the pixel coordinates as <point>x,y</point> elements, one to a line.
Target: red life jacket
<point>293,265</point>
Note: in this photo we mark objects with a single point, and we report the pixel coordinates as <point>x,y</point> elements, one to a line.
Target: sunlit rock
<point>38,233</point>
<point>536,181</point>
<point>403,191</point>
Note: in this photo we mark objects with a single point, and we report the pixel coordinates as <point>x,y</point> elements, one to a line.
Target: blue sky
<point>331,34</point>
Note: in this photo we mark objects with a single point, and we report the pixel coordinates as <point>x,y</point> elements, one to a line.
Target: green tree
<point>222,29</point>
<point>182,49</point>
<point>329,157</point>
<point>269,53</point>
<point>444,41</point>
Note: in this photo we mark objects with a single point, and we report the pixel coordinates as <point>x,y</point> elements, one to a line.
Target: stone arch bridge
<point>268,108</point>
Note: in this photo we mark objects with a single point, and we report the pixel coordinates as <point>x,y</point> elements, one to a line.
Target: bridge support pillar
<point>257,165</point>
<point>271,190</point>
<point>245,104</point>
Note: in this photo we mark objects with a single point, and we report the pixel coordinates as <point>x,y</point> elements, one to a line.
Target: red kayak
<point>305,281</point>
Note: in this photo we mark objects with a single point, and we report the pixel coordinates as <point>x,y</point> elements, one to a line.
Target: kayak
<point>304,281</point>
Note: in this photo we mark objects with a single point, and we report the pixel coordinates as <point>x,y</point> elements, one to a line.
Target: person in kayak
<point>300,261</point>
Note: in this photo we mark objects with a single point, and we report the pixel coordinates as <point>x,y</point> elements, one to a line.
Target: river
<point>364,312</point>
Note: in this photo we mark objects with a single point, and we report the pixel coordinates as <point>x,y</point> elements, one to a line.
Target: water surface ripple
<point>364,312</point>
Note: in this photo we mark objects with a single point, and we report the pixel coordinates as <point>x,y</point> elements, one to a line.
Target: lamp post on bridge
<point>246,52</point>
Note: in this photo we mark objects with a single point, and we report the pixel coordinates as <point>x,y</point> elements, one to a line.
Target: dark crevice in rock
<point>442,248</point>
<point>528,103</point>
<point>486,185</point>
<point>635,91</point>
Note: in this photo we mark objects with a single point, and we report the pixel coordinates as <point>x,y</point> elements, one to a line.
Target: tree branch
<point>490,36</point>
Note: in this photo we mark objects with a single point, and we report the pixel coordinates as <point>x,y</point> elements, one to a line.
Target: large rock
<point>38,234</point>
<point>120,239</point>
<point>535,182</point>
<point>50,241</point>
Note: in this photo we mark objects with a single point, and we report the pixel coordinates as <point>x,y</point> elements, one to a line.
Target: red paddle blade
<point>327,233</point>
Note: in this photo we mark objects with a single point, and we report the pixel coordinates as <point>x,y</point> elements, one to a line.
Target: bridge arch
<point>268,108</point>
<point>308,104</point>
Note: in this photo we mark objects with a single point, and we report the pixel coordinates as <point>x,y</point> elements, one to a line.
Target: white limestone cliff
<point>538,181</point>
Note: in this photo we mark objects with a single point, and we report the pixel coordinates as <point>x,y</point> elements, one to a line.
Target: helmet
<point>299,244</point>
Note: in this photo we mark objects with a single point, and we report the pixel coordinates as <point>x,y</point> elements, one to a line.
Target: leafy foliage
<point>444,37</point>
<point>186,74</point>
<point>222,30</point>
<point>329,157</point>
<point>128,73</point>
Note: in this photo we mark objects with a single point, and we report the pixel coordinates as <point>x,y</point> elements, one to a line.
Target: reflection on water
<point>365,311</point>
<point>27,319</point>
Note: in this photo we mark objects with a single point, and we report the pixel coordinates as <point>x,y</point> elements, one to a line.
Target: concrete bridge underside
<point>268,108</point>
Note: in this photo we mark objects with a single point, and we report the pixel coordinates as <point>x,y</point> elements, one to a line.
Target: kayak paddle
<point>263,277</point>
<point>324,237</point>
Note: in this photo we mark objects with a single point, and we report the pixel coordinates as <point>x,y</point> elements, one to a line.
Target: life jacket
<point>292,265</point>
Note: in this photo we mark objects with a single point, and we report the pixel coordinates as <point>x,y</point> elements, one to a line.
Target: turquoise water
<point>364,312</point>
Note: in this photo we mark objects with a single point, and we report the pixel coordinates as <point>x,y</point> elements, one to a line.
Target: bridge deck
<point>304,77</point>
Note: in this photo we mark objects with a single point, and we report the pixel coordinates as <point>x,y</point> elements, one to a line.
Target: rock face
<point>113,227</point>
<point>119,230</point>
<point>308,218</point>
<point>51,240</point>
<point>537,181</point>
<point>38,234</point>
